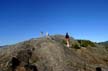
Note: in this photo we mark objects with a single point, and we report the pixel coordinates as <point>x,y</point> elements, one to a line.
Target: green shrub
<point>76,46</point>
<point>106,47</point>
<point>86,43</point>
<point>64,42</point>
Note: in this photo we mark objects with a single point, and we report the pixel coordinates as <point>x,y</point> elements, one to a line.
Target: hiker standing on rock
<point>41,34</point>
<point>47,34</point>
<point>67,39</point>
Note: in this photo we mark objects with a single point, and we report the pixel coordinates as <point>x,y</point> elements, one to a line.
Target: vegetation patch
<point>86,43</point>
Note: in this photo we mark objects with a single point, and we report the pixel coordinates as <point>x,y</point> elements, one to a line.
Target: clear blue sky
<point>23,19</point>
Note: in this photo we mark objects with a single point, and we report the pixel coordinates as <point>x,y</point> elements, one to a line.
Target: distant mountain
<point>51,54</point>
<point>4,46</point>
<point>104,43</point>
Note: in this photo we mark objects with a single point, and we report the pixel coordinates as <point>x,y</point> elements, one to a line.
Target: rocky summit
<point>51,54</point>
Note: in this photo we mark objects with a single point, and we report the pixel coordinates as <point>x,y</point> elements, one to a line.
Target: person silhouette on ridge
<point>67,39</point>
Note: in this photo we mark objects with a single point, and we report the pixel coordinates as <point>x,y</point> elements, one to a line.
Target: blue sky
<point>23,19</point>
